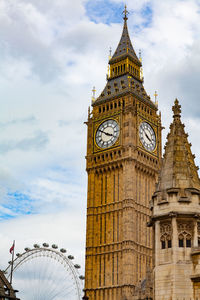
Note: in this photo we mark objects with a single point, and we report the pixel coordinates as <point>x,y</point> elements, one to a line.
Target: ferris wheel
<point>46,273</point>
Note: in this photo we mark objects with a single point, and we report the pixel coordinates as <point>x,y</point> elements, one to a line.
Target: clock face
<point>107,133</point>
<point>147,136</point>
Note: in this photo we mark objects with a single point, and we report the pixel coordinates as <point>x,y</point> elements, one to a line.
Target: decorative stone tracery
<point>166,235</point>
<point>184,234</point>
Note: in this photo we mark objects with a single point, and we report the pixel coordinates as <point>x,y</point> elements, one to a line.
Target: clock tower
<point>123,159</point>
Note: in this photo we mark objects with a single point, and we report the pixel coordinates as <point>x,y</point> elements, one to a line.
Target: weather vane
<point>125,12</point>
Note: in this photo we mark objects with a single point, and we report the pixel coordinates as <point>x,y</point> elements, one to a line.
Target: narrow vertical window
<point>117,268</point>
<point>139,189</point>
<point>117,226</point>
<point>100,229</point>
<point>113,226</point>
<point>114,188</point>
<point>118,186</point>
<point>188,243</point>
<point>163,246</point>
<point>169,243</point>
<point>145,200</point>
<point>136,187</point>
<point>105,229</point>
<point>104,280</point>
<point>99,270</point>
<point>102,189</point>
<point>180,242</point>
<point>105,189</point>
<point>113,270</point>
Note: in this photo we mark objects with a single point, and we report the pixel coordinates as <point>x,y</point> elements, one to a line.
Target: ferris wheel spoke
<point>59,293</point>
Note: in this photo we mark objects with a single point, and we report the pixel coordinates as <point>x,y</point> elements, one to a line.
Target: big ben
<point>122,162</point>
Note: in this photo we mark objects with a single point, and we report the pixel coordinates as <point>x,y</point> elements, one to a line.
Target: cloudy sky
<point>52,53</point>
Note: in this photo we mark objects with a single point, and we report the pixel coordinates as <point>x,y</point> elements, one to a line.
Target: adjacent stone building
<point>176,219</point>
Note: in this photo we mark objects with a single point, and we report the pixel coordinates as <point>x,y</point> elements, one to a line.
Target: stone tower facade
<point>122,162</point>
<point>176,219</point>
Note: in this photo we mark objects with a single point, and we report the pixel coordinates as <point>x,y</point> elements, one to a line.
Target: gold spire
<point>125,12</point>
<point>179,169</point>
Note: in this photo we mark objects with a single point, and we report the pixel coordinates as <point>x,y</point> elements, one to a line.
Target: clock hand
<point>147,137</point>
<point>106,133</point>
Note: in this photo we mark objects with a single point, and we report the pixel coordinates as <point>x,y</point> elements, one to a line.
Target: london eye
<point>42,273</point>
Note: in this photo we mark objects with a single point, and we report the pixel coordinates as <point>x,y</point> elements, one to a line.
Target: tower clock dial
<point>107,133</point>
<point>147,136</point>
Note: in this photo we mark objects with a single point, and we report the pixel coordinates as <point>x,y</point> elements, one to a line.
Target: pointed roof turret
<point>178,169</point>
<point>124,72</point>
<point>125,47</point>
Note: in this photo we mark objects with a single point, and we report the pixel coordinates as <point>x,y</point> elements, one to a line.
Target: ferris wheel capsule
<point>18,254</point>
<point>77,266</point>
<point>82,277</point>
<point>27,249</point>
<point>70,256</point>
<point>63,250</point>
<point>54,246</point>
<point>36,246</point>
<point>45,245</point>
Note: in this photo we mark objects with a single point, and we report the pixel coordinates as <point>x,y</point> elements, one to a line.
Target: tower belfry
<point>122,162</point>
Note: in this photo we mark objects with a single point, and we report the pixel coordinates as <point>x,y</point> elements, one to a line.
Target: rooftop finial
<point>140,54</point>
<point>125,12</point>
<point>156,100</point>
<point>176,109</point>
<point>93,94</point>
<point>110,52</point>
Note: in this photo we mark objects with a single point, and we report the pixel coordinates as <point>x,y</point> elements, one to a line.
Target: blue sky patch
<point>147,14</point>
<point>17,204</point>
<point>104,11</point>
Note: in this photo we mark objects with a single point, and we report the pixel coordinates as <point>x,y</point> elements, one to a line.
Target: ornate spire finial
<point>93,94</point>
<point>176,109</point>
<point>156,100</point>
<point>125,12</point>
<point>140,54</point>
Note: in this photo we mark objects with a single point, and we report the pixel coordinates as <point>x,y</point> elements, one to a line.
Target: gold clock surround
<point>97,124</point>
<point>155,129</point>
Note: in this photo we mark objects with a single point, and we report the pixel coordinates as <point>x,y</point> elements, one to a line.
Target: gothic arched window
<point>166,237</point>
<point>184,235</point>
